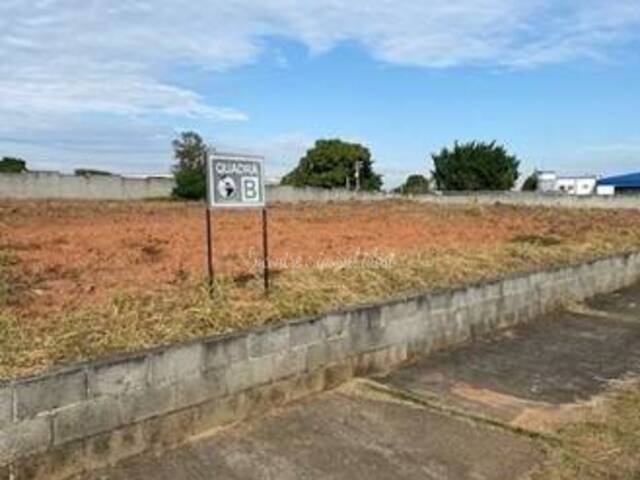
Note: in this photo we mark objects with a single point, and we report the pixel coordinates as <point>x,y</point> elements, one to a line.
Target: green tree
<point>190,172</point>
<point>12,165</point>
<point>414,185</point>
<point>475,166</point>
<point>90,171</point>
<point>332,164</point>
<point>531,183</point>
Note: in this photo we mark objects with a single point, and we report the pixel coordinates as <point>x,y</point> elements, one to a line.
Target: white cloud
<point>111,56</point>
<point>61,60</point>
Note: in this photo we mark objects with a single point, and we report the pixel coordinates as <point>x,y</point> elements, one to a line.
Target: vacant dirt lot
<point>83,279</point>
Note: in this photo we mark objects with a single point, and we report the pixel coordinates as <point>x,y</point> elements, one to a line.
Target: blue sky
<point>105,84</point>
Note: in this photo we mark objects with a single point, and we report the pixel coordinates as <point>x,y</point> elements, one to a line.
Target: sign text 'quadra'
<point>235,181</point>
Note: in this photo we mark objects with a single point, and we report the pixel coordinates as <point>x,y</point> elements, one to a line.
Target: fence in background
<point>532,199</point>
<point>54,185</point>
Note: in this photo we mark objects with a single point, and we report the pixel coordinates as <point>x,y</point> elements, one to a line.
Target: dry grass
<point>607,447</point>
<point>186,310</point>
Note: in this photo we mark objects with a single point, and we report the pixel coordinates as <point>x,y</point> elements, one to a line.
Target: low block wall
<point>532,199</point>
<point>54,185</point>
<point>40,185</point>
<point>92,415</point>
<point>286,194</point>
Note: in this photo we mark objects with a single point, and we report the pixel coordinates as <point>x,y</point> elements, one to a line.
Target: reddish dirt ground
<point>73,254</point>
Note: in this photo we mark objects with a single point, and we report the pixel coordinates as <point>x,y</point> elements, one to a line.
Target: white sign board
<point>235,181</point>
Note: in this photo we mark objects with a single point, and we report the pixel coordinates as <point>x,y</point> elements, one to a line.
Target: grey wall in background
<point>532,199</point>
<point>54,185</point>
<point>92,415</point>
<point>286,194</point>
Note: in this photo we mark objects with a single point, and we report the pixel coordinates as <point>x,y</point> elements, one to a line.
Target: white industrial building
<point>550,182</point>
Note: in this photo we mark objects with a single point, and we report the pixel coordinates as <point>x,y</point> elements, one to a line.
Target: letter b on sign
<point>250,189</point>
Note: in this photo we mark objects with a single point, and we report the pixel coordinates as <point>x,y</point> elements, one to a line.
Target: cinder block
<point>366,330</point>
<point>400,329</point>
<point>334,325</point>
<point>336,375</point>
<point>316,357</point>
<point>195,390</point>
<point>268,341</point>
<point>118,377</point>
<point>265,398</point>
<point>261,370</point>
<point>399,310</point>
<point>221,411</point>
<point>176,364</point>
<point>169,431</point>
<point>288,363</point>
<point>87,419</point>
<point>220,352</point>
<point>24,438</point>
<point>305,332</point>
<point>149,402</point>
<point>239,376</point>
<point>440,301</point>
<point>56,463</point>
<point>46,393</point>
<point>6,404</point>
<point>111,448</point>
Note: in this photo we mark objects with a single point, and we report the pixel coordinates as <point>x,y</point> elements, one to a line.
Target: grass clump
<point>8,284</point>
<point>538,240</point>
<point>607,447</point>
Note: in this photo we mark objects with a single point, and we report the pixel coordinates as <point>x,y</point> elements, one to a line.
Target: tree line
<point>334,163</point>
<point>18,165</point>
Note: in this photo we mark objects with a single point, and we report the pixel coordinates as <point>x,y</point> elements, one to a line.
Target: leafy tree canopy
<point>190,152</point>
<point>475,166</point>
<point>332,164</point>
<point>531,183</point>
<point>414,185</point>
<point>12,165</point>
<point>91,171</point>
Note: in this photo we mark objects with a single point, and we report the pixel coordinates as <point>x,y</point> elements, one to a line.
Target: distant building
<point>550,182</point>
<point>621,184</point>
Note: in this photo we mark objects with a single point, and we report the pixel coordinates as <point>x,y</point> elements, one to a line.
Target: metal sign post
<point>236,181</point>
<point>265,250</point>
<point>207,213</point>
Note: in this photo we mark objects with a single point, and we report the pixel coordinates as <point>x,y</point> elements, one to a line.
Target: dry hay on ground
<point>83,279</point>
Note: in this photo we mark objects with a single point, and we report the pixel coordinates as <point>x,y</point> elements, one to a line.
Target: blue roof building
<point>622,183</point>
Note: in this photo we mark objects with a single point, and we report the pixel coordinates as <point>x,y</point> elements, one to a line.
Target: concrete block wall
<point>93,415</point>
<point>40,185</point>
<point>54,185</point>
<point>286,194</point>
<point>532,199</point>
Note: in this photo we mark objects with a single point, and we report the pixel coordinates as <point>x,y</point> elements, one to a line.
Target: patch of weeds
<point>538,240</point>
<point>7,282</point>
<point>605,447</point>
<point>152,252</point>
<point>9,346</point>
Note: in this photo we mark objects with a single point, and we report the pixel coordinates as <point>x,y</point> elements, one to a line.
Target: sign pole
<point>208,220</point>
<point>265,249</point>
<point>209,224</point>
